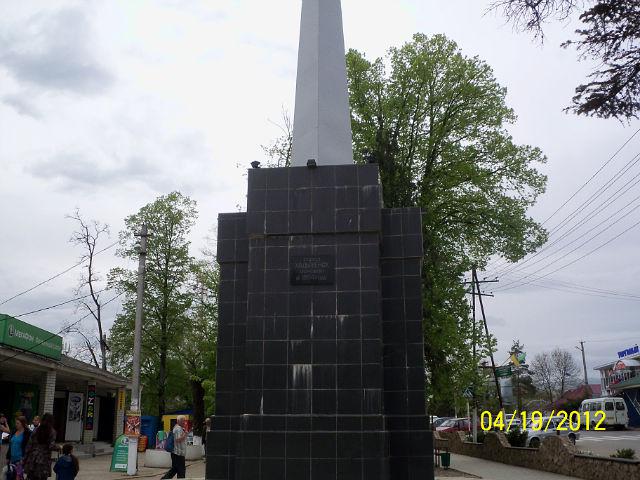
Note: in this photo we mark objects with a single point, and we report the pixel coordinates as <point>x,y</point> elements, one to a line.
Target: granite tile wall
<point>305,388</point>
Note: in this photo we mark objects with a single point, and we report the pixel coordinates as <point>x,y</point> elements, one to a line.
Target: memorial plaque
<point>312,270</point>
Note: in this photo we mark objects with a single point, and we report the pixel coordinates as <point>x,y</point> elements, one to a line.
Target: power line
<point>58,304</point>
<point>592,176</point>
<point>584,293</point>
<point>56,275</point>
<point>611,224</point>
<point>504,262</point>
<point>65,329</point>
<point>592,214</point>
<point>577,259</point>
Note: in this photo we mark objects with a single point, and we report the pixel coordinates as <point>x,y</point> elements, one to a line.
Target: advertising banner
<point>121,399</point>
<point>91,406</point>
<point>132,424</point>
<point>17,334</point>
<point>73,430</point>
<point>120,455</point>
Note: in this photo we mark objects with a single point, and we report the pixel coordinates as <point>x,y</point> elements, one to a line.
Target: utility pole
<point>486,331</point>
<point>584,362</point>
<point>474,420</point>
<point>475,291</point>
<point>132,464</point>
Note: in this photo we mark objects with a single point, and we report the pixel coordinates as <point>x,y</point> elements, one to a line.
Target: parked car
<point>511,423</point>
<point>615,410</point>
<point>439,421</point>
<point>455,425</point>
<point>535,437</point>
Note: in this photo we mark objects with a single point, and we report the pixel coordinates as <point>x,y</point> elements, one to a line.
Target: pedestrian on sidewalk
<point>18,445</point>
<point>179,450</point>
<point>5,431</point>
<point>67,466</point>
<point>34,423</point>
<point>37,458</point>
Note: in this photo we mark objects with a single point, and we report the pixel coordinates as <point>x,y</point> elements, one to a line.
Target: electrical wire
<point>611,224</point>
<point>56,275</point>
<point>586,293</point>
<point>573,261</point>
<point>592,214</point>
<point>504,262</point>
<point>64,330</point>
<point>58,304</point>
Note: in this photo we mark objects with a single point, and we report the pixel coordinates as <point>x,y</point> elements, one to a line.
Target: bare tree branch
<point>87,237</point>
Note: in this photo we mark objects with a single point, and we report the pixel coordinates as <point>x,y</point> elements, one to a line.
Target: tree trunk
<point>162,380</point>
<point>197,392</point>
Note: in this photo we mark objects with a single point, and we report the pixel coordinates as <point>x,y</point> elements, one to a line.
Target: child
<point>67,466</point>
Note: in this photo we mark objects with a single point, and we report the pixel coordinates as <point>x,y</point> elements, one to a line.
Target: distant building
<point>621,378</point>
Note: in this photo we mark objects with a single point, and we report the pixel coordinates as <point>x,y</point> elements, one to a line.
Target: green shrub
<point>629,453</point>
<point>517,437</point>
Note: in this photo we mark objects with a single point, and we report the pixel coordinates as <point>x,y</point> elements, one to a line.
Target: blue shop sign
<point>629,351</point>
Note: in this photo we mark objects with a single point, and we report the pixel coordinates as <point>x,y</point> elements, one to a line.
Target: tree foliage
<point>435,121</point>
<point>167,300</point>
<point>611,36</point>
<point>198,349</point>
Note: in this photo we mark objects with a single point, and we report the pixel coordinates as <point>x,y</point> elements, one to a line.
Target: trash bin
<point>446,459</point>
<point>143,440</point>
<point>149,428</point>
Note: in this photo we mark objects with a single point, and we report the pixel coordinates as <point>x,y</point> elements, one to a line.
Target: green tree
<point>435,121</point>
<point>198,350</point>
<point>167,302</point>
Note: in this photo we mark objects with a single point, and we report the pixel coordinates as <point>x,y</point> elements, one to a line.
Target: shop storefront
<point>621,378</point>
<point>36,378</point>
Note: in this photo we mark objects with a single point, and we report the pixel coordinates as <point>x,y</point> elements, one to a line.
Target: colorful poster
<point>91,405</point>
<point>120,455</point>
<point>121,399</point>
<point>75,403</point>
<point>26,400</point>
<point>132,424</point>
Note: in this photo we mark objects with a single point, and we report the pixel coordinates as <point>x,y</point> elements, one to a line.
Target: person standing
<point>179,450</point>
<point>67,466</point>
<point>5,431</point>
<point>37,458</point>
<point>34,423</point>
<point>17,446</point>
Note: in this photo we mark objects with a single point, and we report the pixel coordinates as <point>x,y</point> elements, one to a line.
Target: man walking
<point>179,450</point>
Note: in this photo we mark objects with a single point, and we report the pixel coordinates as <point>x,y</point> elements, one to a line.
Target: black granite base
<point>320,350</point>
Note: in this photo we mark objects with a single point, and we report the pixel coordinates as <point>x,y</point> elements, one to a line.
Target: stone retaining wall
<point>556,454</point>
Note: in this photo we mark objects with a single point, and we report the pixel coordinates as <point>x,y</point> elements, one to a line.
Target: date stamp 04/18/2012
<point>536,421</point>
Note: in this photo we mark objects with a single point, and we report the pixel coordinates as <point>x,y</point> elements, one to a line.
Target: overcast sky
<point>106,105</point>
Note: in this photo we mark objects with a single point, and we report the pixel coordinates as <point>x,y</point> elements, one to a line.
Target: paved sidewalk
<point>97,468</point>
<point>498,471</point>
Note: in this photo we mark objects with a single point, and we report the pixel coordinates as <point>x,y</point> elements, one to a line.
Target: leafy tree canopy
<point>435,121</point>
<point>167,300</point>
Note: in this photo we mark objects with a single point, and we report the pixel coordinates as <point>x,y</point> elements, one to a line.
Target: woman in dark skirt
<point>37,461</point>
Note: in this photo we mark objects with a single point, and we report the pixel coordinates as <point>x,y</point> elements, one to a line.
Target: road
<point>606,443</point>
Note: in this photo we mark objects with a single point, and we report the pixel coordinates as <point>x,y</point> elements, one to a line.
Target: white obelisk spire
<point>322,122</point>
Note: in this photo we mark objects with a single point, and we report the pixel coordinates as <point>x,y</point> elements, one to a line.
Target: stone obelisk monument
<point>320,372</point>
